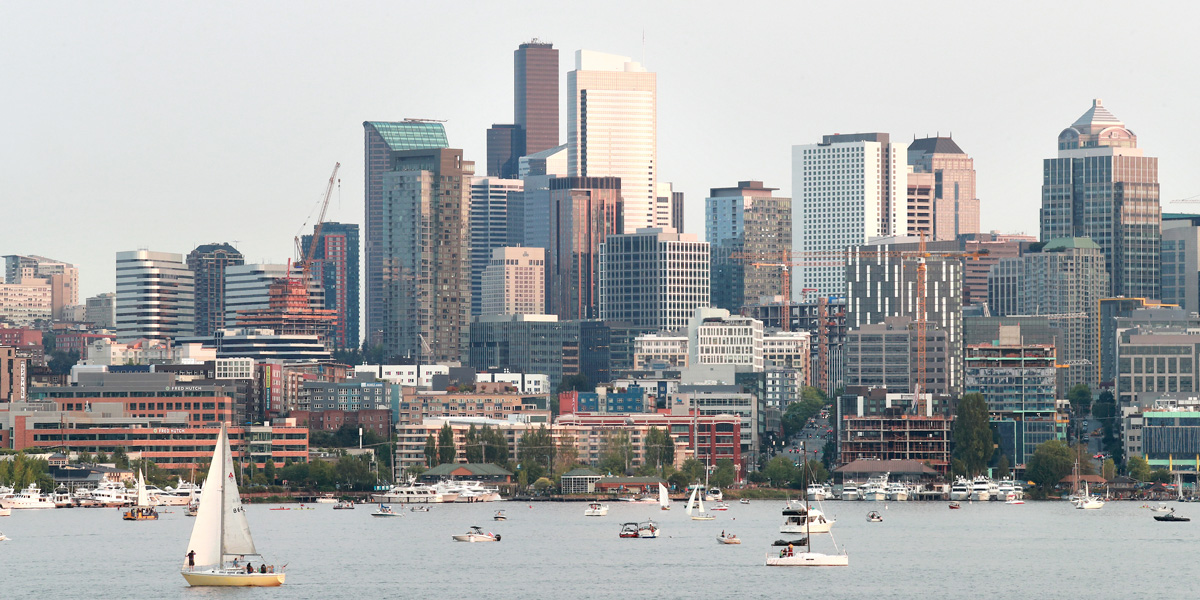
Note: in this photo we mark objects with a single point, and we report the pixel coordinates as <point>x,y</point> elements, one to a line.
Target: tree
<point>816,471</point>
<point>679,480</point>
<point>119,458</point>
<point>1081,399</point>
<point>495,446</point>
<point>543,484</point>
<point>101,458</point>
<point>780,471</point>
<point>693,469</point>
<point>812,400</point>
<point>1139,468</point>
<point>660,448</point>
<point>1160,476</point>
<point>567,455</point>
<point>84,458</point>
<point>535,452</point>
<point>269,471</point>
<point>1051,461</point>
<point>1108,470</point>
<point>473,446</point>
<point>445,445</point>
<point>414,471</point>
<point>575,383</point>
<point>1086,467</point>
<point>1002,468</point>
<point>829,454</point>
<point>431,453</point>
<point>617,452</point>
<point>724,475</point>
<point>972,434</point>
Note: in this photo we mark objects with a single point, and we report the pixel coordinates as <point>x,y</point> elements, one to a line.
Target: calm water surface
<point>549,550</point>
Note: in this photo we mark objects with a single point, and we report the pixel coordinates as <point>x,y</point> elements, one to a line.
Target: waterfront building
<point>490,199</point>
<point>1180,282</point>
<point>1103,187</point>
<point>747,219</point>
<point>708,436</point>
<point>1064,281</point>
<point>208,263</point>
<point>383,141</point>
<point>612,129</point>
<point>947,187</point>
<point>155,296</point>
<point>877,425</point>
<point>885,355</point>
<point>62,277</point>
<point>101,310</point>
<point>335,268</point>
<point>584,211</point>
<point>847,189</point>
<point>653,279</point>
<point>525,344</point>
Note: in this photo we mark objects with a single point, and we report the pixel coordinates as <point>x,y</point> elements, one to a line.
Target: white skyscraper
<point>612,129</point>
<point>155,296</point>
<point>846,190</point>
<point>490,200</point>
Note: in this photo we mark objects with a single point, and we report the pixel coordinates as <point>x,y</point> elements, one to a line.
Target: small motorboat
<point>648,529</point>
<point>386,511</point>
<point>629,530</point>
<point>728,538</point>
<point>1014,501</point>
<point>744,501</point>
<point>1162,508</point>
<point>280,508</point>
<point>477,534</point>
<point>2,536</point>
<point>721,506</point>
<point>596,509</point>
<point>500,516</point>
<point>418,509</point>
<point>955,505</point>
<point>344,505</point>
<point>1171,517</point>
<point>874,517</point>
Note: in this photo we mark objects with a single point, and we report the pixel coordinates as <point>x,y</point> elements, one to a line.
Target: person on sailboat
<point>262,568</point>
<point>191,556</point>
<point>249,569</point>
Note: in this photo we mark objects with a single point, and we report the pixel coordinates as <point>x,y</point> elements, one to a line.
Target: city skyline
<point>213,127</point>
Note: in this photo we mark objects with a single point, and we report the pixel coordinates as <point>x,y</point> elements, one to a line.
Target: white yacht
<point>876,489</point>
<point>30,497</point>
<point>805,520</point>
<point>111,495</point>
<point>1006,490</point>
<point>817,492</point>
<point>596,509</point>
<point>850,491</point>
<point>896,491</point>
<point>979,489</point>
<point>961,490</point>
<point>62,498</point>
<point>714,495</point>
<point>411,493</point>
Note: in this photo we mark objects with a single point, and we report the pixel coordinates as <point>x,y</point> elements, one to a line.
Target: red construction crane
<point>304,257</point>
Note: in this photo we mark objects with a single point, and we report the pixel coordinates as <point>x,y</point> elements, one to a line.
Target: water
<point>549,550</point>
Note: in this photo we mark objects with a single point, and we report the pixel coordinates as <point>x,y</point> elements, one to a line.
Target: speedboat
<point>874,517</point>
<point>477,534</point>
<point>721,506</point>
<point>954,505</point>
<point>500,516</point>
<point>1162,508</point>
<point>744,501</point>
<point>629,530</point>
<point>804,520</point>
<point>728,538</point>
<point>386,511</point>
<point>1171,517</point>
<point>346,505</point>
<point>1014,500</point>
<point>961,490</point>
<point>714,495</point>
<point>596,509</point>
<point>648,529</point>
<point>418,509</point>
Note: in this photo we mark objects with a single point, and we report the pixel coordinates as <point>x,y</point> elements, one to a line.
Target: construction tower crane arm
<point>306,260</point>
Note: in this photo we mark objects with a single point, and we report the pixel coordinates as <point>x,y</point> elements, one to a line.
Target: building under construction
<point>877,425</point>
<point>289,313</point>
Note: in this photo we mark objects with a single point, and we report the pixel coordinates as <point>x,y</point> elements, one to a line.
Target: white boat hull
<point>875,496</point>
<point>897,496</point>
<point>809,559</point>
<point>956,496</point>
<point>227,578</point>
<point>817,527</point>
<point>978,496</point>
<point>816,496</point>
<point>471,537</point>
<point>851,495</point>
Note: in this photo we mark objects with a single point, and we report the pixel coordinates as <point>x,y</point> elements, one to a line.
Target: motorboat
<point>1006,490</point>
<point>418,509</point>
<point>994,491</point>
<point>874,517</point>
<point>960,490</point>
<point>62,498</point>
<point>721,506</point>
<point>477,534</point>
<point>414,494</point>
<point>349,505</point>
<point>629,530</point>
<point>327,499</point>
<point>1171,517</point>
<point>110,495</point>
<point>817,492</point>
<point>805,519</point>
<point>386,511</point>
<point>144,509</point>
<point>648,529</point>
<point>980,489</point>
<point>728,539</point>
<point>221,534</point>
<point>876,489</point>
<point>744,501</point>
<point>29,498</point>
<point>897,492</point>
<point>1014,500</point>
<point>500,516</point>
<point>596,509</point>
<point>713,494</point>
<point>954,505</point>
<point>470,491</point>
<point>1162,508</point>
<point>850,491</point>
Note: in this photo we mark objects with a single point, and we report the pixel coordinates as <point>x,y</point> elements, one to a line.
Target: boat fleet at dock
<point>443,491</point>
<point>104,495</point>
<point>879,489</point>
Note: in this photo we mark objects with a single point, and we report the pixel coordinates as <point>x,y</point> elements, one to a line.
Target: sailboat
<point>1086,501</point>
<point>664,502</point>
<point>221,536</point>
<point>143,511</point>
<point>697,500</point>
<point>788,557</point>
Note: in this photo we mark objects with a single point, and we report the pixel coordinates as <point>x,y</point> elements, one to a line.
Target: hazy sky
<point>167,125</point>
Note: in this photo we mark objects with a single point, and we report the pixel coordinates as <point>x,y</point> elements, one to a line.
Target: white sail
<point>143,499</point>
<point>235,530</point>
<point>700,503</point>
<point>663,500</point>
<point>691,502</point>
<point>206,533</point>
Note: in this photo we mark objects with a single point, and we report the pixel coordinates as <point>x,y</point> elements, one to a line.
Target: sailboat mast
<point>804,479</point>
<point>221,451</point>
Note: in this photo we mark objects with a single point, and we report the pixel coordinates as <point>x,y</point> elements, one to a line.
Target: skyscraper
<point>1102,187</point>
<point>247,288</point>
<point>382,141</point>
<point>848,189</point>
<point>535,95</point>
<point>514,282</point>
<point>652,279</point>
<point>155,296</point>
<point>335,266</point>
<point>490,199</point>
<point>504,146</point>
<point>529,214</point>
<point>747,218</point>
<point>954,207</point>
<point>208,263</point>
<point>612,128</point>
<point>62,277</point>
<point>584,211</point>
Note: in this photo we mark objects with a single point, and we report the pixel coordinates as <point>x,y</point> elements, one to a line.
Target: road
<point>814,435</point>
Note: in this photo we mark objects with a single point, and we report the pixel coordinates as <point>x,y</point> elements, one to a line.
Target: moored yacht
<point>850,491</point>
<point>876,489</point>
<point>1006,490</point>
<point>961,490</point>
<point>817,492</point>
<point>411,493</point>
<point>805,519</point>
<point>897,492</point>
<point>979,489</point>
<point>30,497</point>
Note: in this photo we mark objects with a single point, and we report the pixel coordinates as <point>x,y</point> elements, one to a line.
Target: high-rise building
<point>335,267</point>
<point>652,279</point>
<point>848,189</point>
<point>612,128</point>
<point>248,288</point>
<point>504,147</point>
<point>1064,281</point>
<point>383,140</point>
<point>1180,282</point>
<point>526,344</point>
<point>101,310</point>
<point>529,212</point>
<point>747,219</point>
<point>535,95</point>
<point>885,354</point>
<point>584,211</point>
<point>155,296</point>
<point>1117,314</point>
<point>514,282</point>
<point>677,211</point>
<point>63,279</point>
<point>208,263</point>
<point>490,200</point>
<point>290,312</point>
<point>954,209</point>
<point>1102,187</point>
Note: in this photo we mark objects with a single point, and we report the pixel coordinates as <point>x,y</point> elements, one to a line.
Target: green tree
<point>431,453</point>
<point>60,362</point>
<point>724,475</point>
<point>101,458</point>
<point>536,447</point>
<point>829,454</point>
<point>414,471</point>
<point>1160,476</point>
<point>575,383</point>
<point>445,445</point>
<point>780,471</point>
<point>269,472</point>
<point>1002,468</point>
<point>617,452</point>
<point>1086,467</point>
<point>119,458</point>
<point>1051,461</point>
<point>972,434</point>
<point>817,472</point>
<point>679,480</point>
<point>543,484</point>
<point>693,469</point>
<point>473,446</point>
<point>567,455</point>
<point>660,448</point>
<point>1108,470</point>
<point>1081,399</point>
<point>812,400</point>
<point>1139,468</point>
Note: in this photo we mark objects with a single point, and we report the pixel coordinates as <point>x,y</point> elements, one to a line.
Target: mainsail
<point>221,529</point>
<point>143,498</point>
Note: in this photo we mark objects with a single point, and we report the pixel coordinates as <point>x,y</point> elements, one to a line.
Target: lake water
<point>550,550</point>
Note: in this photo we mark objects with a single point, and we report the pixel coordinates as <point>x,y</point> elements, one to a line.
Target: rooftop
<point>935,145</point>
<point>410,135</point>
<point>1097,115</point>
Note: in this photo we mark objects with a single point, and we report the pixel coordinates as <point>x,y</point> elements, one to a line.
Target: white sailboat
<point>221,536</point>
<point>788,557</point>
<point>698,500</point>
<point>664,502</point>
<point>144,510</point>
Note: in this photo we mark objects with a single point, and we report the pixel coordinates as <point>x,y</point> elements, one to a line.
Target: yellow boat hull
<point>227,579</point>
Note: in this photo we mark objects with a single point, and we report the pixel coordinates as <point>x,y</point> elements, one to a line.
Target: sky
<point>163,126</point>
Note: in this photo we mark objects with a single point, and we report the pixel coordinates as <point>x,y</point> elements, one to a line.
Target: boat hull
<point>809,559</point>
<point>725,541</point>
<point>474,538</point>
<point>230,579</point>
<point>817,527</point>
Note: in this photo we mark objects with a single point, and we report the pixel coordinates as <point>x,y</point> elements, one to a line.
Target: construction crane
<point>306,255</point>
<point>1189,200</point>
